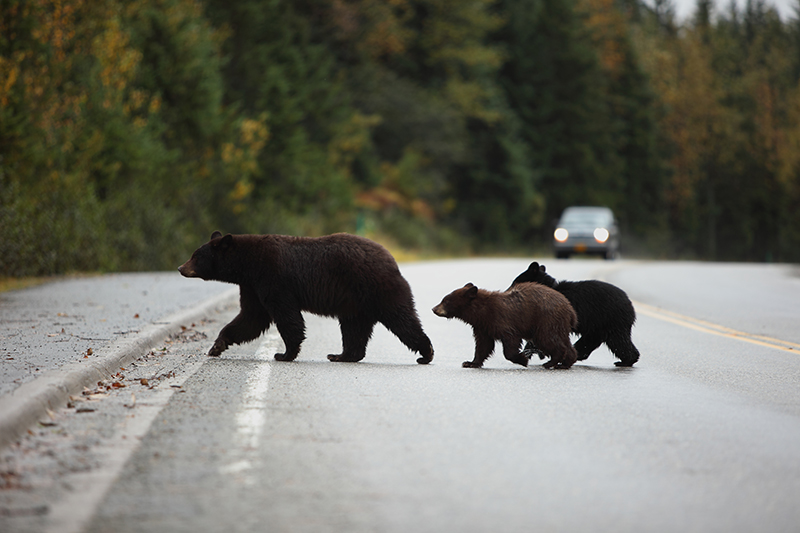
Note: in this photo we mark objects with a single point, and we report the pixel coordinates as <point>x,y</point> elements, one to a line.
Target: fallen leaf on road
<point>97,396</point>
<point>144,382</point>
<point>133,402</point>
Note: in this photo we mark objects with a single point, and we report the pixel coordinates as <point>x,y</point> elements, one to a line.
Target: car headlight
<point>561,234</point>
<point>601,235</point>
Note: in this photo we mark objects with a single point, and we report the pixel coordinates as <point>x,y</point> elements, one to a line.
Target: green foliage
<point>130,130</point>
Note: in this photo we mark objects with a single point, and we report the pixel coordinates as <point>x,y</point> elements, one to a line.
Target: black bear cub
<point>605,313</point>
<point>528,311</point>
<point>344,276</point>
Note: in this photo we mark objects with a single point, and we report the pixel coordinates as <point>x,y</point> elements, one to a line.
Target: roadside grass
<point>8,283</point>
<point>13,284</point>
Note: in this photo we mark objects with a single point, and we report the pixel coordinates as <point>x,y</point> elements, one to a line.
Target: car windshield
<point>585,217</point>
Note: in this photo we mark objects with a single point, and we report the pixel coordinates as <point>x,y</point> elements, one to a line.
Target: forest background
<point>130,130</point>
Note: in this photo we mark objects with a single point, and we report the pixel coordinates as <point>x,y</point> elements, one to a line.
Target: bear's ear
<point>533,267</point>
<point>472,291</point>
<point>226,242</point>
<point>215,235</point>
<point>541,269</point>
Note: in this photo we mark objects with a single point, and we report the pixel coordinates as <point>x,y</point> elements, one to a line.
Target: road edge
<point>29,403</point>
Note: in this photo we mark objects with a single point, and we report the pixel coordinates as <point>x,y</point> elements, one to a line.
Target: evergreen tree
<point>556,87</point>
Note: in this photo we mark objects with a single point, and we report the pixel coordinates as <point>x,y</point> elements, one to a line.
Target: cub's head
<point>454,304</point>
<point>535,274</point>
<point>210,261</point>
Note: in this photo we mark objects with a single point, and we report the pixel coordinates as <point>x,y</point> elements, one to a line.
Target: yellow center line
<point>714,329</point>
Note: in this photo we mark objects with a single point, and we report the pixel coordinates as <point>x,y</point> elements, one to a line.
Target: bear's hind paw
<point>341,358</point>
<point>471,364</point>
<point>284,357</point>
<point>217,349</point>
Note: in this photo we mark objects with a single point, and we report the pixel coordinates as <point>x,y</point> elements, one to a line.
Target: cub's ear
<point>468,285</point>
<point>472,291</point>
<point>215,235</point>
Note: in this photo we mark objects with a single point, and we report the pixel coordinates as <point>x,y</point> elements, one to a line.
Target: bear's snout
<point>439,311</point>
<point>186,270</point>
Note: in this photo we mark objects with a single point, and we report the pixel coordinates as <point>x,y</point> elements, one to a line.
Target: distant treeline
<point>129,130</point>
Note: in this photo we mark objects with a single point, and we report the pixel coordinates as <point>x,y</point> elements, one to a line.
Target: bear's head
<point>454,304</point>
<point>210,261</point>
<point>536,273</point>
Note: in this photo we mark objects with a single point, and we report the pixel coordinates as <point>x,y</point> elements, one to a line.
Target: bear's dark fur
<point>351,278</point>
<point>605,313</point>
<point>528,311</point>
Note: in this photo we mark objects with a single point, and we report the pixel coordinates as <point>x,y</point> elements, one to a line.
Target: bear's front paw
<point>424,360</point>
<point>285,357</point>
<point>217,349</point>
<point>471,364</point>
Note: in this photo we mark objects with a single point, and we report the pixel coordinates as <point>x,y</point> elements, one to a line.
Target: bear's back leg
<point>622,347</point>
<point>559,348</point>
<point>405,324</point>
<point>511,351</point>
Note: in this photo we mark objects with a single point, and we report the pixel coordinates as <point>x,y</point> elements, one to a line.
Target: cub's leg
<point>512,353</point>
<point>530,350</point>
<point>484,346</point>
<point>621,346</point>
<point>562,354</point>
<point>588,343</point>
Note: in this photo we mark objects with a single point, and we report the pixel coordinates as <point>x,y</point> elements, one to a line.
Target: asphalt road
<point>703,434</point>
<point>45,327</point>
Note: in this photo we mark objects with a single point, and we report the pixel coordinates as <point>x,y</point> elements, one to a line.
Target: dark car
<point>590,230</point>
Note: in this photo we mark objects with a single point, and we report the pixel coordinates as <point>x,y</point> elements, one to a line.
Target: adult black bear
<point>605,314</point>
<point>527,311</point>
<point>351,278</point>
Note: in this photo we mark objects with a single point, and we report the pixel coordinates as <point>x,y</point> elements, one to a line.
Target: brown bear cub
<point>528,311</point>
<point>343,276</point>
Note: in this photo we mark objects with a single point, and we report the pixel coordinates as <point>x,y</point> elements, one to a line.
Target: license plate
<point>580,247</point>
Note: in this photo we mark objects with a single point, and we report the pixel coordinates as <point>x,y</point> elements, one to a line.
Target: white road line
<point>251,416</point>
